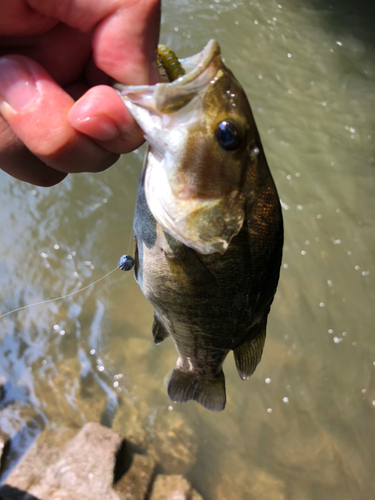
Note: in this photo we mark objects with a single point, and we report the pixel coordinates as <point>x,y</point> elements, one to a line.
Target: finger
<point>125,43</point>
<point>77,88</point>
<point>17,18</point>
<point>63,51</point>
<point>102,115</point>
<point>17,161</point>
<point>95,76</point>
<point>126,33</point>
<point>36,109</point>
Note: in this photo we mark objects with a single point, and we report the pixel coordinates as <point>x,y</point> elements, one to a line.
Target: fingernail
<point>17,84</point>
<point>100,128</point>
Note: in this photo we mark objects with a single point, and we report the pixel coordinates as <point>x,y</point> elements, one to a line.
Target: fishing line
<point>59,298</point>
<point>126,263</point>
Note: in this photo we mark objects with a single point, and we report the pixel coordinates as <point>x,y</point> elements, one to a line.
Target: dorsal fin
<point>210,393</point>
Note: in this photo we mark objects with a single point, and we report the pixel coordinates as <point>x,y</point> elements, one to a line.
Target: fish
<point>208,226</point>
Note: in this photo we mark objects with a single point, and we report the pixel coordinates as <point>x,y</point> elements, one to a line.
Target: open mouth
<point>200,70</point>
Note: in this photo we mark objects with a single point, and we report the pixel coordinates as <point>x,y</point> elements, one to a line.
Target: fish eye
<point>227,135</point>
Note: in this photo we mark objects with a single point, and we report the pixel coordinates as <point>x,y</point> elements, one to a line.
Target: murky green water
<point>303,426</point>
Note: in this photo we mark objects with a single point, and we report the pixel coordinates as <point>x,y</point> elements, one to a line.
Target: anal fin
<point>248,354</point>
<point>210,393</point>
<point>158,331</point>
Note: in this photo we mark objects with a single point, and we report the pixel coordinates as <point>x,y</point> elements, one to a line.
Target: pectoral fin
<point>136,259</point>
<point>248,354</point>
<point>158,331</point>
<point>210,393</point>
<point>184,259</point>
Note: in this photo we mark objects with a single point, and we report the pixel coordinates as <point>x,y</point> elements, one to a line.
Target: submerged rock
<point>135,484</point>
<point>90,462</point>
<point>309,452</point>
<point>31,469</point>
<point>175,448</point>
<point>195,495</point>
<point>174,487</point>
<point>65,418</point>
<point>130,422</point>
<point>95,464</point>
<point>239,481</point>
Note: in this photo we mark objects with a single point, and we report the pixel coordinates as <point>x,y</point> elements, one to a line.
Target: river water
<point>302,427</point>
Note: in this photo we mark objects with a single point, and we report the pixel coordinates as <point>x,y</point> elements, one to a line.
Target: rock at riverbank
<point>97,463</point>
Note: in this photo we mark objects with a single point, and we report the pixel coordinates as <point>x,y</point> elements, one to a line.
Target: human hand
<point>55,51</point>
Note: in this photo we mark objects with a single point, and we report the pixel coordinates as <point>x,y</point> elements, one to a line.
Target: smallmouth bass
<point>208,226</point>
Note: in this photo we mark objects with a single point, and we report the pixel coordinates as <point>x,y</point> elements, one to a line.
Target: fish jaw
<point>161,110</point>
<point>169,114</point>
<point>207,226</point>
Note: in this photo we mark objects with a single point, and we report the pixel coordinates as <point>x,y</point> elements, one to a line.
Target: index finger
<point>125,44</point>
<point>126,33</point>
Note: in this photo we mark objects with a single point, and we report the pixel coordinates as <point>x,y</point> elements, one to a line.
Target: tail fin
<point>210,393</point>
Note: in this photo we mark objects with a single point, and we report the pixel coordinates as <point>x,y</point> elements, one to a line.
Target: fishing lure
<point>168,60</point>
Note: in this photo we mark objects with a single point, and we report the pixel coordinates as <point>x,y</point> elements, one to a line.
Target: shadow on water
<point>15,449</point>
<point>10,493</point>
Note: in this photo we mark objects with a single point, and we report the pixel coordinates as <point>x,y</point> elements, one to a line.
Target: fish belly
<point>208,304</point>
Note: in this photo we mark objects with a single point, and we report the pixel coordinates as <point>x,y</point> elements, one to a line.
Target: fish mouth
<point>166,112</point>
<point>200,70</point>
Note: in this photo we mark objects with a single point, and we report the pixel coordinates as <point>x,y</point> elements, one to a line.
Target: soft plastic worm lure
<point>169,61</point>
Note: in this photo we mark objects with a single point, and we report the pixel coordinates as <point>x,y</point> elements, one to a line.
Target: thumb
<point>37,109</point>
